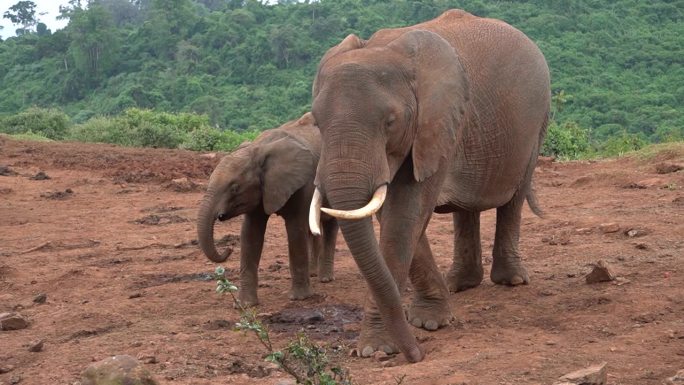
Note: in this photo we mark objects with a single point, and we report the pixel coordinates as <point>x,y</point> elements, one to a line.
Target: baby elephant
<point>272,175</point>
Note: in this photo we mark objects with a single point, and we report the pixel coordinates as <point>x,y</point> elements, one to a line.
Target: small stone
<point>40,298</point>
<point>677,379</point>
<point>36,346</point>
<point>600,273</point>
<point>12,321</point>
<point>210,155</point>
<point>641,246</point>
<point>635,233</point>
<point>135,295</point>
<point>122,369</point>
<point>381,356</point>
<point>584,230</point>
<point>15,380</point>
<point>147,358</point>
<point>7,171</point>
<point>40,176</point>
<point>6,369</point>
<point>593,375</point>
<point>611,227</point>
<point>551,343</point>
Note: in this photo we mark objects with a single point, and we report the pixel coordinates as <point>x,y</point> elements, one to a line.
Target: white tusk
<point>371,208</point>
<point>315,213</point>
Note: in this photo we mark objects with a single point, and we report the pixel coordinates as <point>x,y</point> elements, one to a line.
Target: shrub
<point>566,141</point>
<point>50,123</point>
<point>622,143</point>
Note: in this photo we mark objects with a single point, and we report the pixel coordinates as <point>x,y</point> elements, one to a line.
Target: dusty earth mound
<point>111,247</point>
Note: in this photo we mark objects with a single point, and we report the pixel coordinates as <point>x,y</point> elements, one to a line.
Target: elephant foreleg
<point>325,251</point>
<point>507,267</point>
<point>466,270</point>
<point>251,246</point>
<point>430,308</point>
<point>299,248</point>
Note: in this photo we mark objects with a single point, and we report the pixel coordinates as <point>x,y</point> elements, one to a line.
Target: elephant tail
<point>532,201</point>
<point>530,195</point>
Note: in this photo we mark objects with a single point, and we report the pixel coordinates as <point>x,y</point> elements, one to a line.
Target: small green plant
<point>302,359</point>
<point>565,141</point>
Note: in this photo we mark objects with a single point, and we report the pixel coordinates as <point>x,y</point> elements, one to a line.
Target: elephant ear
<point>441,90</point>
<point>349,43</point>
<point>287,166</point>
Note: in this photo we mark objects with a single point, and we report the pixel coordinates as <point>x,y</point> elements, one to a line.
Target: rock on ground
<point>12,321</point>
<point>122,369</point>
<point>600,273</point>
<point>593,375</point>
<point>677,379</point>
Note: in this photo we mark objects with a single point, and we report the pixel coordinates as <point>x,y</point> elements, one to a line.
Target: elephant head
<point>396,100</point>
<point>257,176</point>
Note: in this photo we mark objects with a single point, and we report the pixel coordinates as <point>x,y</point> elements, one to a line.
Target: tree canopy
<point>616,65</point>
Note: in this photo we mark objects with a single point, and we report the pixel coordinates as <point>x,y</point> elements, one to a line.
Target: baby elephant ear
<point>441,90</point>
<point>349,43</point>
<point>287,166</point>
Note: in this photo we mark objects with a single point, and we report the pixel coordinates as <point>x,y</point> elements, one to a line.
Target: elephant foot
<point>429,314</point>
<point>460,278</point>
<point>509,271</point>
<point>375,338</point>
<point>246,300</point>
<point>326,275</point>
<point>300,293</point>
<point>326,278</point>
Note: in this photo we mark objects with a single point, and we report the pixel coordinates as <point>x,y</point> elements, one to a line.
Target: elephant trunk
<point>360,238</point>
<point>205,230</point>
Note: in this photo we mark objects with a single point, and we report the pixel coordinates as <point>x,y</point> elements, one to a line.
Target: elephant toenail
<point>517,280</point>
<point>367,351</point>
<point>387,349</point>
<point>417,322</point>
<point>431,325</point>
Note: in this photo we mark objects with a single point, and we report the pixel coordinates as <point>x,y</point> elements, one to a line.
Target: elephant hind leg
<point>507,268</point>
<point>430,308</point>
<point>466,270</point>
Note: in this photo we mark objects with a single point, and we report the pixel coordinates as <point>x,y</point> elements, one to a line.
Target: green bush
<point>49,123</point>
<point>211,139</point>
<point>566,141</point>
<point>101,129</point>
<point>622,143</point>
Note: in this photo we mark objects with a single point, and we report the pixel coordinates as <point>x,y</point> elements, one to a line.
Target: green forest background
<point>207,74</point>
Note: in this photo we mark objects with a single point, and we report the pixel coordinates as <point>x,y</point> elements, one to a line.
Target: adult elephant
<point>447,115</point>
<point>272,175</point>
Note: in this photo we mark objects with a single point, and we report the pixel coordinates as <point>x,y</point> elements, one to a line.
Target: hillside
<point>616,66</point>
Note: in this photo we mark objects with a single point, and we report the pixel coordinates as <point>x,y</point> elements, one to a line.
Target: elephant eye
<point>390,120</point>
<point>234,188</point>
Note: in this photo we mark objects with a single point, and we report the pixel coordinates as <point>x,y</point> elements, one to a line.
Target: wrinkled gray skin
<point>272,175</point>
<point>450,114</point>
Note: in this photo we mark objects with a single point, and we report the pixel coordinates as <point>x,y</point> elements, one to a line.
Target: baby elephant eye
<point>234,188</point>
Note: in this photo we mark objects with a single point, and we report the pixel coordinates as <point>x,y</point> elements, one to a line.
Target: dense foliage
<point>616,65</point>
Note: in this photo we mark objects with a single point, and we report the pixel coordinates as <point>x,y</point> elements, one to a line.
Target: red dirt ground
<point>121,276</point>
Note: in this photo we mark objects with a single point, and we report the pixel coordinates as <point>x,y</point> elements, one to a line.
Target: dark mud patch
<point>152,280</point>
<point>160,220</point>
<point>229,240</point>
<point>323,322</point>
<point>58,195</point>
